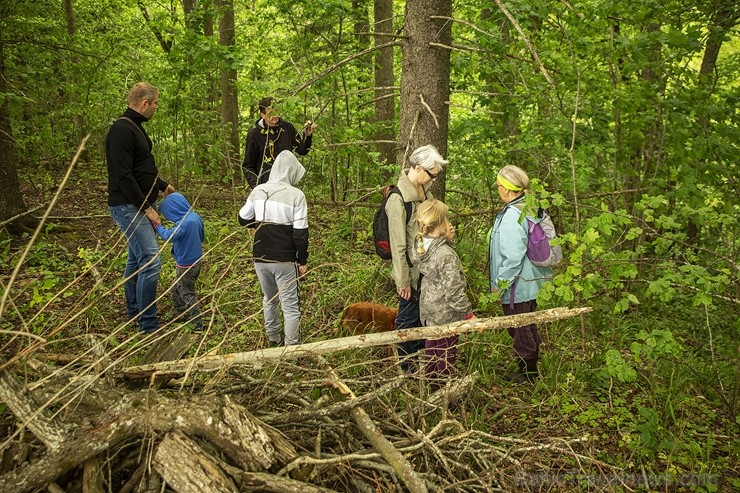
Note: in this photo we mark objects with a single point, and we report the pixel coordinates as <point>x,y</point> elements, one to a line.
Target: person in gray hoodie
<point>279,213</point>
<point>443,298</point>
<point>187,237</point>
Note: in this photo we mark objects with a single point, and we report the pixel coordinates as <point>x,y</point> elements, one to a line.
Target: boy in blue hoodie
<point>187,247</point>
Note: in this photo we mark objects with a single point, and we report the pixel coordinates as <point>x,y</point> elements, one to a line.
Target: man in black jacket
<point>270,136</point>
<point>133,188</point>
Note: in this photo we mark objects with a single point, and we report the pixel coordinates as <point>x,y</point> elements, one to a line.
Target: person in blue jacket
<point>186,237</point>
<point>511,271</point>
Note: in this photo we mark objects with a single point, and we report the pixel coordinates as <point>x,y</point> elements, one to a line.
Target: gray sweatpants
<point>279,283</point>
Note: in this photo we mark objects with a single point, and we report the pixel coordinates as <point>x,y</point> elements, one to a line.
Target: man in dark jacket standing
<point>133,189</point>
<point>270,136</point>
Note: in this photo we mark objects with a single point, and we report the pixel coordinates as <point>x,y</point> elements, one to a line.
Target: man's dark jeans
<point>408,317</point>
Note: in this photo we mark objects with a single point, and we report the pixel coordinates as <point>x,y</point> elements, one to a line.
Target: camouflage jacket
<point>443,288</point>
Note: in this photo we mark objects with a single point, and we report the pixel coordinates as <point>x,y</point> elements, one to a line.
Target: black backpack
<point>381,238</point>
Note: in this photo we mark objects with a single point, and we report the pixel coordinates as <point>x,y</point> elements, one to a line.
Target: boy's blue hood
<point>174,207</point>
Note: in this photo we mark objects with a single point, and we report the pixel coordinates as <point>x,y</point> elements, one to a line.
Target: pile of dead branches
<point>276,420</point>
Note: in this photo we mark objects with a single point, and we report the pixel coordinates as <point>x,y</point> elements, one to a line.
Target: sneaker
<point>275,343</point>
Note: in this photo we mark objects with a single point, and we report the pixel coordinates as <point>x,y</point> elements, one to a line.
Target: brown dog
<point>367,318</point>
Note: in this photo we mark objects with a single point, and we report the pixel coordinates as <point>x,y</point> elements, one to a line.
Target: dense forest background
<point>625,114</point>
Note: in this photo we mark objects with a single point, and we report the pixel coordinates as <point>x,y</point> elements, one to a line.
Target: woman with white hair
<point>413,185</point>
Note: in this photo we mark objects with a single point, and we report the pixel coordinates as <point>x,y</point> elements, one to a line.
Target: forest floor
<point>583,426</point>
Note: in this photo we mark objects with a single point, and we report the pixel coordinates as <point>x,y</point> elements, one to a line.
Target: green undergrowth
<point>650,389</point>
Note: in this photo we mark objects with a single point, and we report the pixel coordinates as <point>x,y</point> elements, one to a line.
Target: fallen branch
<point>333,409</point>
<point>229,427</point>
<point>22,214</point>
<point>188,469</point>
<point>257,359</point>
<point>372,432</point>
<point>28,413</point>
<point>453,390</point>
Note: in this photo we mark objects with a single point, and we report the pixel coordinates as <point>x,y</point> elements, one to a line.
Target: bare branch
<point>424,103</point>
<point>259,357</point>
<point>343,62</point>
<point>526,41</point>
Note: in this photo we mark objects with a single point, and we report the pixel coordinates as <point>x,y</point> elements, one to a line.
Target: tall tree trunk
<point>723,19</point>
<point>643,147</point>
<point>425,81</point>
<point>188,7</point>
<point>229,96</point>
<point>11,200</point>
<point>78,118</point>
<point>385,106</point>
<point>507,125</point>
<point>208,20</point>
<point>360,19</point>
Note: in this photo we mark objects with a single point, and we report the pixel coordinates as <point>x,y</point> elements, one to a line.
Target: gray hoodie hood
<point>286,169</point>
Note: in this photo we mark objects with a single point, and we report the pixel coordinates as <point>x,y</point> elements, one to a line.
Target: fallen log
<point>256,359</point>
<point>188,469</point>
<point>452,390</point>
<point>29,413</point>
<point>241,437</point>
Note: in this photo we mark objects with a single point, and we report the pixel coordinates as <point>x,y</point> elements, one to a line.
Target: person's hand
<point>310,127</point>
<point>153,217</point>
<point>168,190</point>
<point>302,269</point>
<point>405,293</point>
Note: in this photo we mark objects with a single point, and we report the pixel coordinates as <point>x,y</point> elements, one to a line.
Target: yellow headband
<point>507,184</point>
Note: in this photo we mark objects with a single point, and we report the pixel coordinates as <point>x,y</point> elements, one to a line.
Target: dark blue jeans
<point>408,317</point>
<point>142,265</point>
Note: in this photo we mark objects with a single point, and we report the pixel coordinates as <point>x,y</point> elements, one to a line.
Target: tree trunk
<point>229,97</point>
<point>385,104</point>
<point>425,82</point>
<point>723,19</point>
<point>11,200</point>
<point>360,18</point>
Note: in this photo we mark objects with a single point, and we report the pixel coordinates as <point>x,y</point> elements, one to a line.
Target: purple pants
<point>527,339</point>
<point>441,355</point>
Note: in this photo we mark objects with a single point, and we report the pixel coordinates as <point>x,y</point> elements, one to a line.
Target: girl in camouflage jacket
<point>443,288</point>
